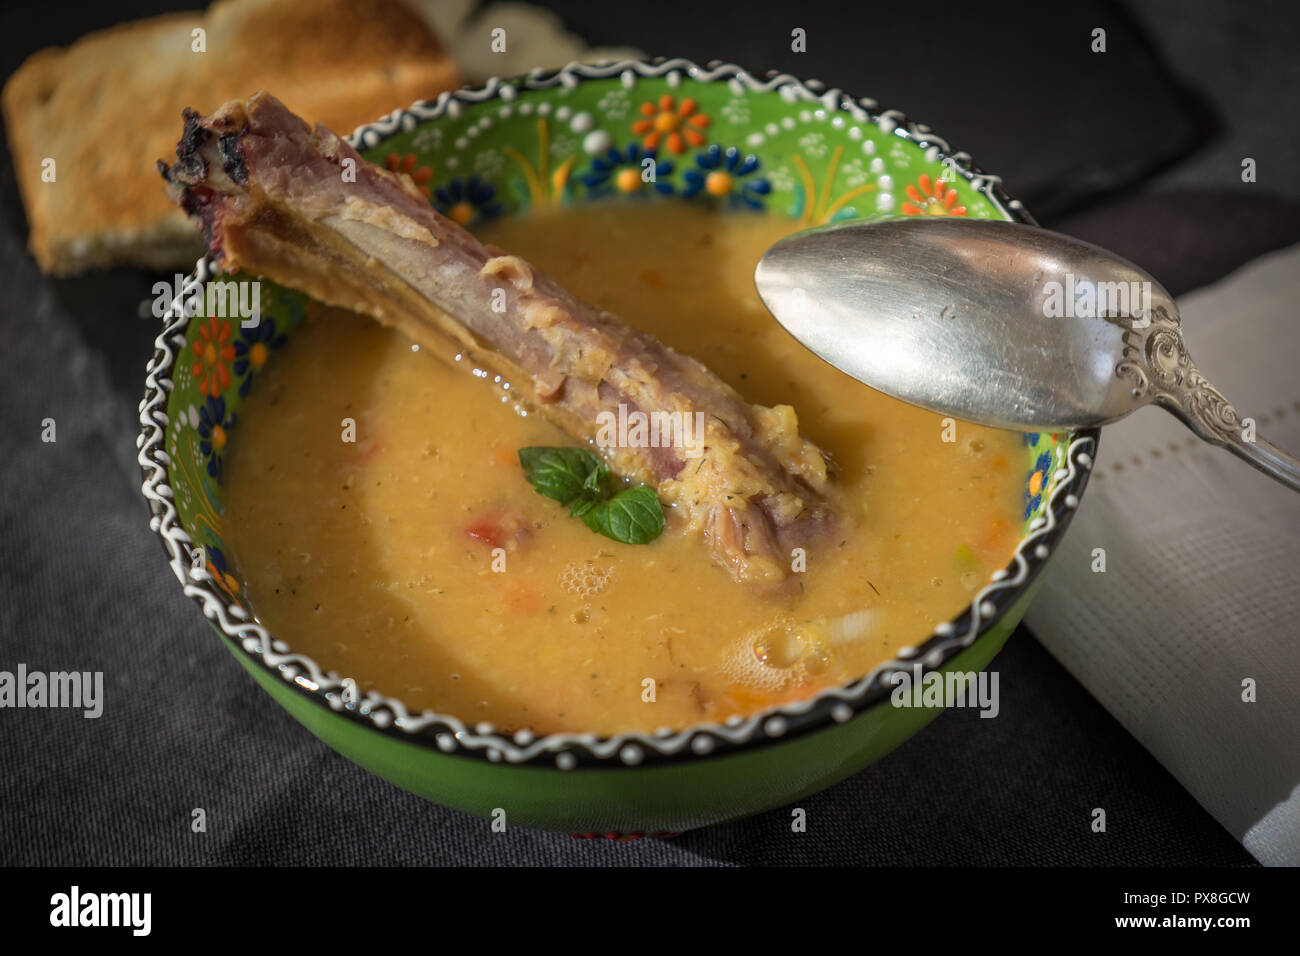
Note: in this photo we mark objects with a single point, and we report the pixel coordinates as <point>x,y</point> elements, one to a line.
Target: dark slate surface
<point>83,583</point>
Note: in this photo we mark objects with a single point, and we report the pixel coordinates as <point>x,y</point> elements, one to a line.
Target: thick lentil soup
<point>408,551</point>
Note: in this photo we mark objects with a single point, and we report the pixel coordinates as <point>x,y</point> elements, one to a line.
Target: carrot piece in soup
<point>524,599</point>
<point>499,529</point>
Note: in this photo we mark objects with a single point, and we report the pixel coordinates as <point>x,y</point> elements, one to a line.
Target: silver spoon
<point>1001,324</point>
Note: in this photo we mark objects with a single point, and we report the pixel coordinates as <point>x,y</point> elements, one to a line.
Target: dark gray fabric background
<point>83,584</point>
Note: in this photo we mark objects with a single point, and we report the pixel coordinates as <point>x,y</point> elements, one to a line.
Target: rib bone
<point>300,206</point>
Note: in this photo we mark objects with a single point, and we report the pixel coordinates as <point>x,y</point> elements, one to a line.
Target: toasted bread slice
<point>106,108</point>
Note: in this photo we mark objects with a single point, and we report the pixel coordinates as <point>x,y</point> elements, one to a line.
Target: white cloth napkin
<point>1201,588</point>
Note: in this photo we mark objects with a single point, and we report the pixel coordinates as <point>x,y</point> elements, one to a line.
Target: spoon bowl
<point>999,323</point>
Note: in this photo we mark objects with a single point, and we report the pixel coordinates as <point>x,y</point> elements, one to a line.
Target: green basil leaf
<point>597,483</point>
<point>633,516</point>
<point>561,473</point>
<point>578,478</point>
<point>581,506</point>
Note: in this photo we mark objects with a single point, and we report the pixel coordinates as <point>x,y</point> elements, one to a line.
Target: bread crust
<point>107,108</point>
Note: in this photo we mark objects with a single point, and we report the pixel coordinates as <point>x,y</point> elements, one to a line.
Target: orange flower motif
<point>214,352</point>
<point>220,571</point>
<point>674,125</point>
<point>420,175</point>
<point>935,198</point>
<point>227,582</point>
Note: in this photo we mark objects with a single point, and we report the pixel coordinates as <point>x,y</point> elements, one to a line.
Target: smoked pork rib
<point>298,205</point>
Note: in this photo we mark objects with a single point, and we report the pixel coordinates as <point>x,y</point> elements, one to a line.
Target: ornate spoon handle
<point>1157,363</point>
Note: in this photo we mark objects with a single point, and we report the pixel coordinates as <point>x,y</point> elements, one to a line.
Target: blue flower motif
<point>725,172</point>
<point>621,170</point>
<point>253,348</point>
<point>213,429</point>
<point>467,201</point>
<point>1038,483</point>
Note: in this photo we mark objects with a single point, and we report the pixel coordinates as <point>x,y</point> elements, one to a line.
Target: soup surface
<point>379,515</point>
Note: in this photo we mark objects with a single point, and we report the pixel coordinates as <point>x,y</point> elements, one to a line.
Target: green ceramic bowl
<point>786,147</point>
